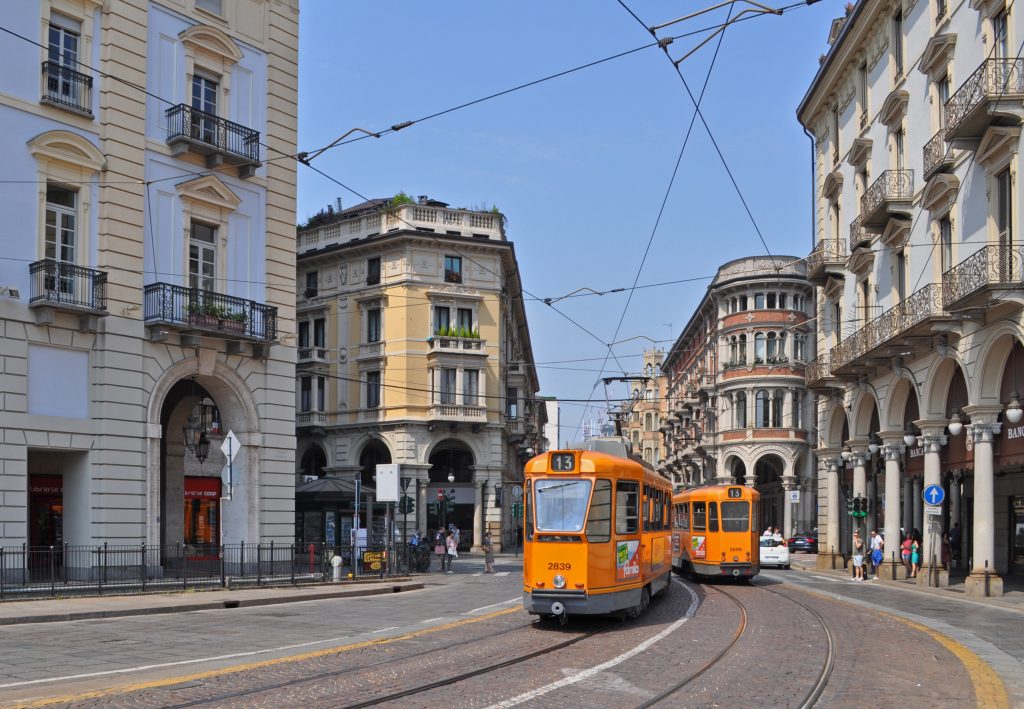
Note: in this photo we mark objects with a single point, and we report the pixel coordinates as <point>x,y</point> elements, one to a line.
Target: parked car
<point>774,553</point>
<point>804,541</point>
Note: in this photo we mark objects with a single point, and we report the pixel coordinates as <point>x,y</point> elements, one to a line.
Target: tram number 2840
<point>559,566</point>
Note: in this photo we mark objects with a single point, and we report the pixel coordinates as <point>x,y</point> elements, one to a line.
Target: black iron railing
<point>198,309</point>
<point>218,133</point>
<point>827,251</point>
<point>33,571</point>
<point>62,283</point>
<point>818,370</point>
<point>67,87</point>
<point>994,79</point>
<point>992,265</point>
<point>890,185</point>
<point>858,234</point>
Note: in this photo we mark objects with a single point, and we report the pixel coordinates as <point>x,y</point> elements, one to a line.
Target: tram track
<point>810,699</point>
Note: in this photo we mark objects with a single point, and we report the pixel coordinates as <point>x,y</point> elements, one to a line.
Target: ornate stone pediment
<point>833,185</point>
<point>860,152</point>
<point>997,145</point>
<point>940,193</point>
<point>67,147</point>
<point>209,190</point>
<point>896,233</point>
<point>861,261</point>
<point>937,54</point>
<point>211,40</point>
<point>894,108</point>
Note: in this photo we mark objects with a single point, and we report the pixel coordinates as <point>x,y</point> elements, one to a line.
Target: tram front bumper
<point>579,602</point>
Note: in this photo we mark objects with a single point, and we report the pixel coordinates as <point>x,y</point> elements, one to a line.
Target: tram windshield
<point>736,516</point>
<point>561,505</point>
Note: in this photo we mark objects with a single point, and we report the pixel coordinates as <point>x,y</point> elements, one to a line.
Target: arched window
<point>732,349</point>
<point>740,410</point>
<point>781,348</point>
<point>648,422</point>
<point>761,411</point>
<point>742,350</point>
<point>800,347</point>
<point>759,348</point>
<point>771,349</point>
<point>636,440</point>
<point>797,419</point>
<point>777,402</point>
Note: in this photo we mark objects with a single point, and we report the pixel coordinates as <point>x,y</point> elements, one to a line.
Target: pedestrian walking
<point>915,557</point>
<point>945,550</point>
<point>858,557</point>
<point>954,543</point>
<point>488,547</point>
<point>877,544</point>
<point>452,548</point>
<point>439,547</point>
<point>905,550</point>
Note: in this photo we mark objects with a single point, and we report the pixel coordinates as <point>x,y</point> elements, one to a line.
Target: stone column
<point>907,519</point>
<point>788,483</point>
<point>955,481</point>
<point>859,488</point>
<point>983,536</point>
<point>478,515</point>
<point>893,452</point>
<point>917,511</point>
<point>831,546</point>
<point>932,441</point>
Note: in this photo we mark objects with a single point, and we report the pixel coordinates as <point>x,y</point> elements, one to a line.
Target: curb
<point>225,603</point>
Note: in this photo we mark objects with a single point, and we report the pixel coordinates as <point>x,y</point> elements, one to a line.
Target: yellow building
<point>413,349</point>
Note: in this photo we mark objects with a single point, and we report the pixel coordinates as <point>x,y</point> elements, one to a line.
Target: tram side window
<point>712,516</point>
<point>627,507</point>
<point>700,516</point>
<point>599,518</point>
<point>528,510</point>
<point>656,524</point>
<point>647,508</point>
<point>736,516</point>
<point>683,516</point>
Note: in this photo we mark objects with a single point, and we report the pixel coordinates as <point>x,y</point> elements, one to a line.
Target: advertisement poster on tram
<point>698,547</point>
<point>627,565</point>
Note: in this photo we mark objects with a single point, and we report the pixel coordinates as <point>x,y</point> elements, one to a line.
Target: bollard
<point>142,565</point>
<point>336,569</point>
<point>833,558</point>
<point>894,566</point>
<point>986,579</point>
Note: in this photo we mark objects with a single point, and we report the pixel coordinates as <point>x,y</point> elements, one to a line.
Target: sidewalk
<point>1013,596</point>
<point>52,610</point>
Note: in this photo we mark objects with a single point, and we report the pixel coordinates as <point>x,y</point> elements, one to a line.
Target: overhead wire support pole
<point>305,157</point>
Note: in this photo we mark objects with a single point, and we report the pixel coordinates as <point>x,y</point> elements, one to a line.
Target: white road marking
<point>431,620</point>
<point>502,573</point>
<point>502,603</point>
<point>590,672</point>
<point>382,630</point>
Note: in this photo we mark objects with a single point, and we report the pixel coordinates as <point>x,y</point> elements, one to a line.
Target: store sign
<point>371,561</point>
<point>46,485</point>
<point>915,460</point>
<point>1009,449</point>
<point>202,488</point>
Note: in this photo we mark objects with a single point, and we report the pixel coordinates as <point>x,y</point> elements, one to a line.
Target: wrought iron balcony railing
<point>196,309</point>
<point>67,88</point>
<point>828,251</point>
<point>991,266</point>
<point>938,155</point>
<point>818,370</point>
<point>923,305</point>
<point>208,134</point>
<point>890,186</point>
<point>858,234</point>
<point>59,284</point>
<point>995,79</point>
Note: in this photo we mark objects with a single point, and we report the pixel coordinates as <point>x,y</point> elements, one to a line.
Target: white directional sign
<point>230,446</point>
<point>387,482</point>
<point>794,496</point>
<point>933,495</point>
<point>932,510</point>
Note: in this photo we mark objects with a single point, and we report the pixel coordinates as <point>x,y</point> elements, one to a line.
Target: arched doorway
<point>451,493</point>
<point>373,515</point>
<point>313,463</point>
<point>768,470</point>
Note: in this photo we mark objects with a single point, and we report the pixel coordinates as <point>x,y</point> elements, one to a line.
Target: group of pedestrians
<point>873,551</point>
<point>446,547</point>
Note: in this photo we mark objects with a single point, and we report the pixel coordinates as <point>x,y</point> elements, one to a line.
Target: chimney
<point>422,199</point>
<point>337,204</point>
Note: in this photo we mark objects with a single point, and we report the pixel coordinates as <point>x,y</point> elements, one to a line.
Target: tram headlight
<point>559,581</point>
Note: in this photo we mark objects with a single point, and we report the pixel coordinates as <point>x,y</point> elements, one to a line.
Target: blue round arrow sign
<point>933,495</point>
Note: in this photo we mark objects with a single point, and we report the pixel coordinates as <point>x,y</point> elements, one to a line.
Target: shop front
<point>202,517</point>
<point>1009,466</point>
<point>46,510</point>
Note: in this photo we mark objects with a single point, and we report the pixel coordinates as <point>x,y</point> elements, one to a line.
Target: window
<point>448,386</point>
<point>777,402</point>
<point>453,269</point>
<point>320,336</point>
<point>898,147</point>
<point>800,347</point>
<point>204,99</point>
<point>648,422</point>
<point>759,348</point>
<point>797,403</point>
<point>636,440</point>
<point>761,409</point>
<point>798,303</point>
<point>772,302</point>
<point>864,294</point>
<point>740,411</point>
<point>683,516</point>
<point>512,402</point>
<point>649,455</point>
<point>561,505</point>
<point>772,349</point>
<point>942,91</point>
<point>782,301</point>
<point>321,393</point>
<point>900,275</point>
<point>303,335</point>
<point>202,257</point>
<point>1001,47</point>
<point>63,82</point>
<point>837,320</point>
<point>373,389</point>
<point>945,244</point>
<point>712,516</point>
<point>442,318</point>
<point>305,393</point>
<point>862,93</point>
<point>759,301</point>
<point>373,271</point>
<point>835,135</point>
<point>311,284</point>
<point>834,220</point>
<point>465,319</point>
<point>599,518</point>
<point>735,516</point>
<point>471,387</point>
<point>1004,225</point>
<point>897,44</point>
<point>627,507</point>
<point>743,349</point>
<point>700,517</point>
<point>61,231</point>
<point>214,6</point>
<point>940,10</point>
<point>733,349</point>
<point>373,325</point>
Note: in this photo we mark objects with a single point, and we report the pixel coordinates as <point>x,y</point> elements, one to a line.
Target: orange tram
<point>597,532</point>
<point>714,532</point>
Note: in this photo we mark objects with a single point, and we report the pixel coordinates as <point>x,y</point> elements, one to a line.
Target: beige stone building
<point>413,349</point>
<point>148,272</point>
<point>642,416</point>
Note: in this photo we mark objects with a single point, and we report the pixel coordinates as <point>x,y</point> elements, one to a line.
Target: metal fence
<point>41,571</point>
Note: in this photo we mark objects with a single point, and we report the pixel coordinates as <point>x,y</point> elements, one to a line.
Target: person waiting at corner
<point>858,557</point>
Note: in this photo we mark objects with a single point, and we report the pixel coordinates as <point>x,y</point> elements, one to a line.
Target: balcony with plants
<point>209,313</point>
<point>458,340</point>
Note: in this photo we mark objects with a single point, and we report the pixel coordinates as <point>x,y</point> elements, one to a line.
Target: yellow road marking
<point>138,686</point>
<point>988,687</point>
<point>989,690</point>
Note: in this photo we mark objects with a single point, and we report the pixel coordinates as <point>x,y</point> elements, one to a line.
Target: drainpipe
<point>813,192</point>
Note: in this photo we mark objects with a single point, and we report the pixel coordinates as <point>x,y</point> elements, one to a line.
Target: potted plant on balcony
<point>235,322</point>
<point>203,313</point>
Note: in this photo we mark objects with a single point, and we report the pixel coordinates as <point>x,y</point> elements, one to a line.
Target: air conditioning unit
<point>309,478</point>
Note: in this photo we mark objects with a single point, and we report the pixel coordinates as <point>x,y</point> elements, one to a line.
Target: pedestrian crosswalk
<point>496,573</point>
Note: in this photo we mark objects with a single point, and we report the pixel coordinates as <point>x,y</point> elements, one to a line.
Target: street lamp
<point>909,435</point>
<point>1014,412</point>
<point>451,477</point>
<point>846,453</point>
<point>497,494</point>
<point>956,424</point>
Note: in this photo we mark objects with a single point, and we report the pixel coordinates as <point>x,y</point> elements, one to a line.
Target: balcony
<point>818,374</point>
<point>458,412</point>
<point>312,355</point>
<point>310,418</point>
<point>890,195</point>
<point>458,345</point>
<point>828,257</point>
<point>902,326</point>
<point>59,286</point>
<point>191,310</point>
<point>990,96</point>
<point>67,88</point>
<point>939,157</point>
<point>858,235</point>
<point>369,350</point>
<point>190,130</point>
<point>985,276</point>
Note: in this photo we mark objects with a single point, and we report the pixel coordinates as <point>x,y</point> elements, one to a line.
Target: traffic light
<point>849,506</point>
<point>432,508</point>
<point>449,505</point>
<point>407,505</point>
<point>856,507</point>
<point>863,507</point>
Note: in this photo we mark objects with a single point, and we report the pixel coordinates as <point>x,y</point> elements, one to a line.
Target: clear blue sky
<point>578,164</point>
